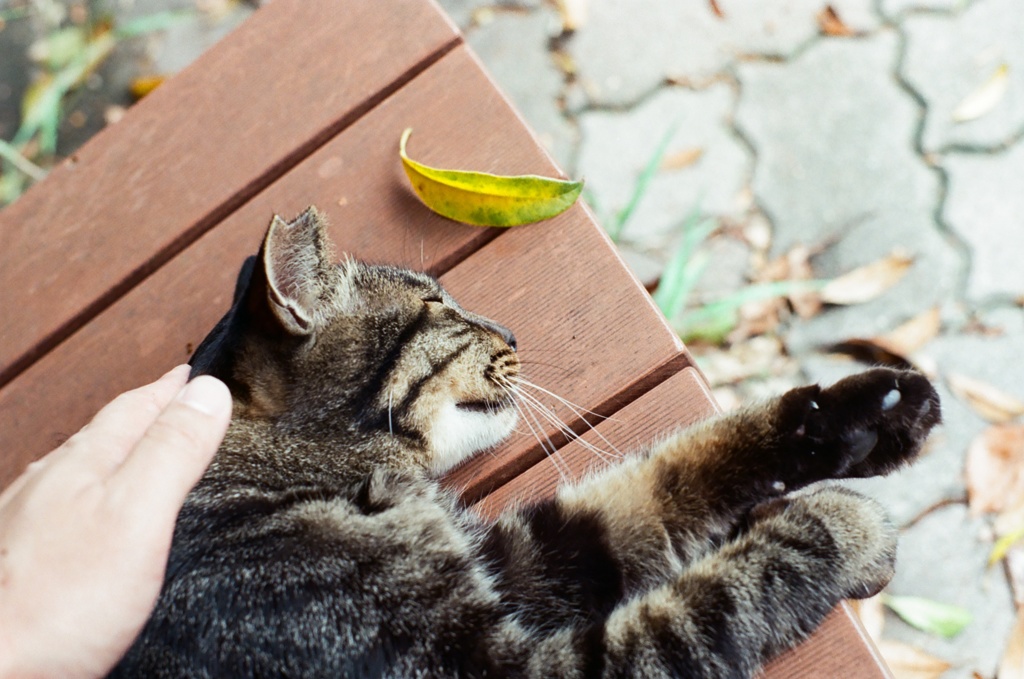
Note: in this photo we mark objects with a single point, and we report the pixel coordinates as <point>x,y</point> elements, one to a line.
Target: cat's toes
<point>864,536</point>
<point>858,545</point>
<point>864,425</point>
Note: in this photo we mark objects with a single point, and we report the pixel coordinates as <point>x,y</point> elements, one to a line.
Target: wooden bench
<point>115,266</point>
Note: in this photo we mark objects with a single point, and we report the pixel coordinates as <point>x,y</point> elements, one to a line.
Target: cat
<point>319,543</point>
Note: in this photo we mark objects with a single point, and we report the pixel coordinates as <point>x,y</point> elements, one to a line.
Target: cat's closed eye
<point>427,299</point>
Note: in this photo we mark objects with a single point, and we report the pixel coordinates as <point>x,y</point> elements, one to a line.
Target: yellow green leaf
<point>484,199</point>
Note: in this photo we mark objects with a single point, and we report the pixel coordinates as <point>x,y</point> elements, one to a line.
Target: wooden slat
<point>839,649</point>
<point>292,76</point>
<point>588,333</point>
<point>155,325</point>
<point>678,402</point>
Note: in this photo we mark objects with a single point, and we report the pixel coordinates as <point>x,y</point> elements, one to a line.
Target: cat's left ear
<point>299,270</point>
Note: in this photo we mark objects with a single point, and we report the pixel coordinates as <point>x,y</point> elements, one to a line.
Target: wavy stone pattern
<point>950,56</point>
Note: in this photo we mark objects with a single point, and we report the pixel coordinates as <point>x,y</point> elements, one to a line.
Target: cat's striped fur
<point>320,545</point>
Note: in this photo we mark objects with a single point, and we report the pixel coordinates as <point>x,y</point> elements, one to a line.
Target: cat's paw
<point>865,425</point>
<point>847,534</point>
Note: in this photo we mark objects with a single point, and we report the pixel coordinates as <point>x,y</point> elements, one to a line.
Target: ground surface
<point>854,146</point>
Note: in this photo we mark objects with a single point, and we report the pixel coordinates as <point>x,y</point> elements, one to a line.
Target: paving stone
<point>15,38</point>
<point>623,54</point>
<point>184,41</point>
<point>514,48</point>
<point>944,558</point>
<point>466,13</point>
<point>949,57</point>
<point>893,8</point>
<point>617,146</point>
<point>985,206</point>
<point>833,134</point>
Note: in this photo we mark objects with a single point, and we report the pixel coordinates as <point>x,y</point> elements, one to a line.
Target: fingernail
<point>206,394</point>
<point>178,371</point>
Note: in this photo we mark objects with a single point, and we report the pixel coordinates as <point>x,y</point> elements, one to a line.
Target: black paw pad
<point>864,425</point>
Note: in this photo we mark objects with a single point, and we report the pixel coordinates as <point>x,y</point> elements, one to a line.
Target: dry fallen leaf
<point>988,401</point>
<point>909,337</point>
<point>1015,572</point>
<point>907,662</point>
<point>142,86</point>
<point>795,265</point>
<point>872,615</point>
<point>894,348</point>
<point>684,158</point>
<point>830,23</point>
<point>867,282</point>
<point>985,97</point>
<point>1012,664</point>
<point>995,469</point>
<point>573,14</point>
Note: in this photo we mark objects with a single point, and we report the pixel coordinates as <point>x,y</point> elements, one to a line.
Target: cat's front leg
<point>639,523</point>
<point>692,491</point>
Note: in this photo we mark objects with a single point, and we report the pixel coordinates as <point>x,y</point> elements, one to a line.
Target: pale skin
<point>86,530</point>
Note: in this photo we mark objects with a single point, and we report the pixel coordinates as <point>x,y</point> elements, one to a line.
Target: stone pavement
<point>844,142</point>
<point>786,137</point>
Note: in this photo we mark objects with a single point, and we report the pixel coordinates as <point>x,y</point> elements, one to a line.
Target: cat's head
<point>353,351</point>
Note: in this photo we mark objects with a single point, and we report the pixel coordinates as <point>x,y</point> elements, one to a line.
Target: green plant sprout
<point>929,616</point>
<point>67,56</point>
<point>709,321</point>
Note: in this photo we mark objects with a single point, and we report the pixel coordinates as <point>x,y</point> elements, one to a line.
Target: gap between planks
<point>221,212</point>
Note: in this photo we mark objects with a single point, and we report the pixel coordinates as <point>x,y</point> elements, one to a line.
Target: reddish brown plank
<point>587,330</point>
<point>152,327</point>
<point>194,150</point>
<point>678,402</point>
<point>839,649</point>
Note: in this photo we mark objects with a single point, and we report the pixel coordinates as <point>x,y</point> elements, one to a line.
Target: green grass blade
<point>929,616</point>
<point>684,268</point>
<point>160,21</point>
<point>642,184</point>
<point>709,321</point>
<point>12,184</point>
<point>23,164</point>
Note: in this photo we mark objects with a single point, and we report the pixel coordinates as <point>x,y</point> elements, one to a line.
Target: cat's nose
<point>509,338</point>
<point>501,331</point>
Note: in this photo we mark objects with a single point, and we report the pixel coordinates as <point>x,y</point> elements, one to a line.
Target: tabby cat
<point>319,543</point>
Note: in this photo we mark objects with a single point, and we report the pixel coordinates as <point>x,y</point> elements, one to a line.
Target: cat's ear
<point>298,269</point>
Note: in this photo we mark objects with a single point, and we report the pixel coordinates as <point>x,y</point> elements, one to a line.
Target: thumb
<point>176,449</point>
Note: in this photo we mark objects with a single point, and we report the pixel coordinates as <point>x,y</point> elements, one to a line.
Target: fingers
<point>177,447</point>
<point>115,429</point>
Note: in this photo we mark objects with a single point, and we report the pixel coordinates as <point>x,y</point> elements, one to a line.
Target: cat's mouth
<point>485,405</point>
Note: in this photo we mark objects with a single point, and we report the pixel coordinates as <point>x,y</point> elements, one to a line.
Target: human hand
<point>85,531</point>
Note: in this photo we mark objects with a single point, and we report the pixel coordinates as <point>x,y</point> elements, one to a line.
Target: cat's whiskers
<point>391,429</point>
<point>524,412</point>
<point>576,409</point>
<point>551,417</point>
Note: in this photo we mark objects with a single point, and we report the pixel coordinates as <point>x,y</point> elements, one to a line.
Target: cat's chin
<point>462,429</point>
